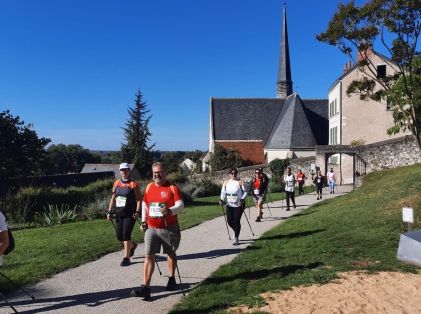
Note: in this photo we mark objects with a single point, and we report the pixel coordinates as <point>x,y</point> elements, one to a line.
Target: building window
<point>333,136</point>
<point>333,108</point>
<point>381,71</point>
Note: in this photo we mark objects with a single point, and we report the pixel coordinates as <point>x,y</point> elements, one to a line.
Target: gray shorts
<point>155,238</point>
<point>260,198</point>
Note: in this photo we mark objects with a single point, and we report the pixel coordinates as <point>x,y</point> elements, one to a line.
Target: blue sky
<point>71,68</point>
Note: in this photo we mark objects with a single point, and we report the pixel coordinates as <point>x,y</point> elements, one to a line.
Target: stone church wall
<point>388,154</point>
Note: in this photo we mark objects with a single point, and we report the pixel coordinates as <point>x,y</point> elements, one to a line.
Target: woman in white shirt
<point>234,191</point>
<point>289,181</point>
<point>331,177</point>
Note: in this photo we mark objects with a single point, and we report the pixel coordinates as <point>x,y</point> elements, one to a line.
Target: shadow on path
<point>291,235</point>
<point>92,299</point>
<point>211,254</point>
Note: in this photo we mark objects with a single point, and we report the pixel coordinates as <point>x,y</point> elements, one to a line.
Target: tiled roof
<point>87,168</point>
<point>281,123</point>
<point>244,118</point>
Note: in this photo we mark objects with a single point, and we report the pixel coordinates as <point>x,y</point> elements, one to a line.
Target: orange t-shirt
<point>168,194</point>
<point>300,177</point>
<point>129,184</point>
<point>257,183</point>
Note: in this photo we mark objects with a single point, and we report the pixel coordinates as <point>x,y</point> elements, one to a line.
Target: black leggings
<point>288,196</point>
<point>234,218</point>
<point>124,228</point>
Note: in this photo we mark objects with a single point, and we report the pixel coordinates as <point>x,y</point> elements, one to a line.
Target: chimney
<point>348,66</point>
<point>365,54</point>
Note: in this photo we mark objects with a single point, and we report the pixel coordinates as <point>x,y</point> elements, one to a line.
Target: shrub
<point>17,208</point>
<point>97,208</point>
<point>176,178</point>
<point>278,166</point>
<point>29,200</point>
<point>56,214</point>
<point>188,188</point>
<point>275,186</point>
<point>206,187</point>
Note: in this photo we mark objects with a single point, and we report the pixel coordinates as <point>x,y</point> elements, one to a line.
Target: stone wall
<point>393,153</point>
<point>387,154</point>
<point>247,173</point>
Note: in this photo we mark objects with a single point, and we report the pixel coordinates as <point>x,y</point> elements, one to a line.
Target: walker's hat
<point>124,165</point>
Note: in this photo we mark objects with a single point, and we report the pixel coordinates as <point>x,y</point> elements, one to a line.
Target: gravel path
<point>103,286</point>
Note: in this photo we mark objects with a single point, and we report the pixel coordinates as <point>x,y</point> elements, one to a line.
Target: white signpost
<point>409,250</point>
<point>408,216</point>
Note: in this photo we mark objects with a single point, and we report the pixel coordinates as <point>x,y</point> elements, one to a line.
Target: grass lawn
<point>358,231</point>
<point>43,252</point>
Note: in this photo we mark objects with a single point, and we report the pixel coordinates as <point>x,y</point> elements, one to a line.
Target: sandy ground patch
<point>353,292</point>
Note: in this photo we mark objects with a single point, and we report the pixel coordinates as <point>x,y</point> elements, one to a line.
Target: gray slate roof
<point>87,168</point>
<point>279,122</point>
<point>244,118</point>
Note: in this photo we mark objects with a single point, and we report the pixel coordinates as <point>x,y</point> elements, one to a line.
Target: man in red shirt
<point>300,179</point>
<point>160,206</point>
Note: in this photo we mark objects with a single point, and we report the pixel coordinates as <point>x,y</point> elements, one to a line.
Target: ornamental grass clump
<point>57,214</point>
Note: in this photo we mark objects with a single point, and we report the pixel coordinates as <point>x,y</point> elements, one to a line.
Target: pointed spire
<point>284,83</point>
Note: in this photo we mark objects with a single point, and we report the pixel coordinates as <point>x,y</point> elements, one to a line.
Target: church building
<point>268,128</point>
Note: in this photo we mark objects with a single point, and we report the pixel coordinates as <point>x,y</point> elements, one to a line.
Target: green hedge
<point>22,206</point>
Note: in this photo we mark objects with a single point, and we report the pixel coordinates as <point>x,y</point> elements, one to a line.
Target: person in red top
<point>300,177</point>
<point>162,202</point>
<point>257,189</point>
<point>125,204</point>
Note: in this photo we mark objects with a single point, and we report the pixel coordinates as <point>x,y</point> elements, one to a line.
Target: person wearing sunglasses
<point>258,188</point>
<point>235,193</point>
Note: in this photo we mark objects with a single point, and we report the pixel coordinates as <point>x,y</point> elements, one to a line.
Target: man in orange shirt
<point>161,204</point>
<point>300,179</point>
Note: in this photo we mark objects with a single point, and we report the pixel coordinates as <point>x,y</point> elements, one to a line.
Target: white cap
<point>124,165</point>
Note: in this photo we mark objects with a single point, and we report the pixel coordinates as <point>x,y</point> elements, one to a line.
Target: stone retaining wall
<point>247,173</point>
<point>391,153</point>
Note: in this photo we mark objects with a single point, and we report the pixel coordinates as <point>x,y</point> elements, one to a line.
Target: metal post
<point>175,255</point>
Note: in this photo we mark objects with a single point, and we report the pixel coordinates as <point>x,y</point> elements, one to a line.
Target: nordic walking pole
<point>173,251</point>
<point>17,287</point>
<point>115,229</point>
<point>248,206</point>
<point>269,209</point>
<point>249,225</point>
<point>156,262</point>
<point>226,222</point>
<point>8,303</point>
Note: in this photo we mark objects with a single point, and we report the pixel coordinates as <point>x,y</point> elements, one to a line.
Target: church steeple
<point>284,83</point>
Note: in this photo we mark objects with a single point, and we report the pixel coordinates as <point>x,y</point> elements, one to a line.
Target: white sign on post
<point>408,214</point>
<point>313,167</point>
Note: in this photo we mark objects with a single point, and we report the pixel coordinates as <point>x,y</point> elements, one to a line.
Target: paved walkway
<point>104,287</point>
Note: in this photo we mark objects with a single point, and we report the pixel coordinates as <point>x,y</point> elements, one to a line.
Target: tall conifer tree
<point>137,135</point>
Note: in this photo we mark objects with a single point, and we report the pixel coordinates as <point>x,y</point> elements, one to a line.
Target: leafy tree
<point>223,158</point>
<point>70,158</point>
<point>278,166</point>
<point>172,161</point>
<point>396,25</point>
<point>195,155</point>
<point>21,150</point>
<point>112,157</point>
<point>199,166</point>
<point>136,149</point>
